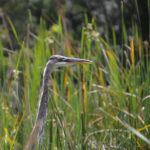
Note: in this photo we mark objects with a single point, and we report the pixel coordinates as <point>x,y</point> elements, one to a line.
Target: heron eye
<point>62,60</point>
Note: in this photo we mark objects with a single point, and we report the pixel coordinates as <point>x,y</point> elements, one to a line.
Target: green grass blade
<point>13,29</point>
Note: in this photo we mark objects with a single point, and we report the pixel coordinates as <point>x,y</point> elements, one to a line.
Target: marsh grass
<point>100,106</point>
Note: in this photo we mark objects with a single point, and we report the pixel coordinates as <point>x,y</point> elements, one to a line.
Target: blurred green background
<point>106,14</point>
<point>100,106</point>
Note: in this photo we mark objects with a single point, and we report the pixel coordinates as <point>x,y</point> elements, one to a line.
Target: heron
<point>53,62</point>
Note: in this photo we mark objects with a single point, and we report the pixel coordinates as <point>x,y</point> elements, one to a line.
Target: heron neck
<point>44,96</point>
<point>46,78</point>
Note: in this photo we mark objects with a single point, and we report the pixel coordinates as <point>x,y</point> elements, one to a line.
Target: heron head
<point>58,61</point>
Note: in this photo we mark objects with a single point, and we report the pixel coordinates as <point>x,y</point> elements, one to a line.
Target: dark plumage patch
<point>57,58</point>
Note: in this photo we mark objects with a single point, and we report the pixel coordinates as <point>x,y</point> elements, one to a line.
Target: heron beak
<point>71,61</point>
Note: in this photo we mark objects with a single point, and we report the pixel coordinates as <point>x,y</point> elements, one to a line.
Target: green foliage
<point>103,105</point>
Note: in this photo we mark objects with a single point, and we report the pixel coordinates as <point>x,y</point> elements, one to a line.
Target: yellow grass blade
<point>65,81</point>
<point>15,124</point>
<point>132,52</point>
<point>13,141</point>
<point>85,96</point>
<point>140,46</point>
<point>144,128</point>
<point>102,82</point>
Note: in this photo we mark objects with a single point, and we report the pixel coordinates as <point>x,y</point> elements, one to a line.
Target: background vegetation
<point>100,106</point>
